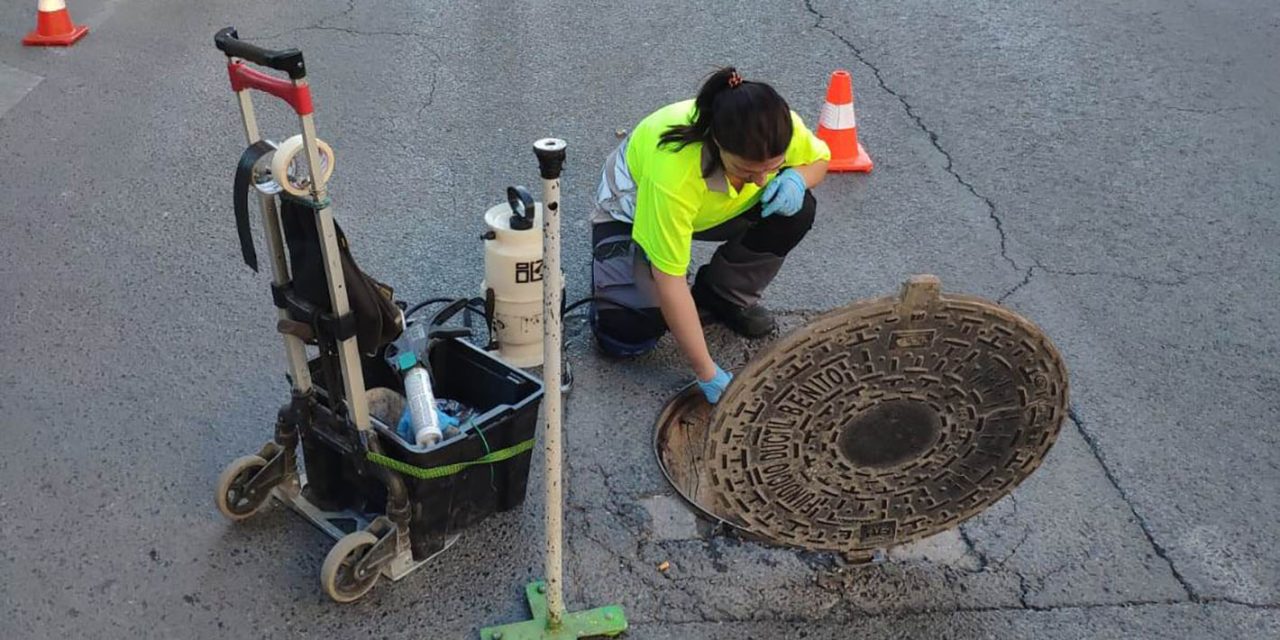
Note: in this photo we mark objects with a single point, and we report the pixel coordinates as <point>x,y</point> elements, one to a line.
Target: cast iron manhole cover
<point>883,422</point>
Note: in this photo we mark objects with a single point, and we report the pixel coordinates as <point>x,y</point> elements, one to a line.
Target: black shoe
<point>752,322</point>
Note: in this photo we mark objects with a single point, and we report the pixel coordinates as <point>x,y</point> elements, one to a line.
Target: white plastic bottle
<point>422,406</point>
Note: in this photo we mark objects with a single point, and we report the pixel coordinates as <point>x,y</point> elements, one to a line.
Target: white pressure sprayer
<point>513,274</point>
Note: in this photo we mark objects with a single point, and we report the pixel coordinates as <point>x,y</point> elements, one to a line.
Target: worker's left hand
<point>784,194</point>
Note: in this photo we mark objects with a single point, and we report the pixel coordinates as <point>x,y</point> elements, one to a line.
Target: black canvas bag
<point>377,317</point>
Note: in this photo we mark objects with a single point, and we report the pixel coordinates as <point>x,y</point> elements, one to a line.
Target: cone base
<point>861,162</point>
<point>37,39</point>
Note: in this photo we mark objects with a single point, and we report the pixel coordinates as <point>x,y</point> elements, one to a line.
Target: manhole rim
<point>665,419</point>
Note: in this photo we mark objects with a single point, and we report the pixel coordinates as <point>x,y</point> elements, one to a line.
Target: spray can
<point>420,402</point>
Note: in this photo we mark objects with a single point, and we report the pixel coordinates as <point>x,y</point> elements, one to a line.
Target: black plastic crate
<point>506,402</point>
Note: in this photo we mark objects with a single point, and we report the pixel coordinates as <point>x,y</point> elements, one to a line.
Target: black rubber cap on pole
<point>550,152</point>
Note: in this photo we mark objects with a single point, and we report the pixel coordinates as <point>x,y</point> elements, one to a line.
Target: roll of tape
<point>260,173</point>
<point>287,163</point>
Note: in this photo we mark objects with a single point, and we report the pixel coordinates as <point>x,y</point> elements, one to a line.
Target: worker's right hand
<point>715,387</point>
<point>784,195</point>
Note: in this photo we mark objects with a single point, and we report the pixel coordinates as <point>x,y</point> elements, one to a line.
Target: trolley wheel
<point>232,496</point>
<point>338,574</point>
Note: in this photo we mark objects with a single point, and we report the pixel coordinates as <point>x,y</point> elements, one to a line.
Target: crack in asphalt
<point>633,564</point>
<point>1143,281</point>
<point>1206,112</point>
<point>933,136</point>
<point>982,557</point>
<point>1142,522</point>
<point>360,32</point>
<point>1028,273</point>
<point>1026,279</point>
<point>1023,590</point>
<point>321,25</point>
<point>1025,584</point>
<point>351,6</point>
<point>1026,533</point>
<point>898,615</point>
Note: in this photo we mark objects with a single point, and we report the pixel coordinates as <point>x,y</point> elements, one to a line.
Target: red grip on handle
<point>243,77</point>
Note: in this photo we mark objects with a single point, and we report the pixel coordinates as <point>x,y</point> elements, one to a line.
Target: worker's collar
<point>713,172</point>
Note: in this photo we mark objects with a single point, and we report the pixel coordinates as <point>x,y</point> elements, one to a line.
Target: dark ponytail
<point>747,119</point>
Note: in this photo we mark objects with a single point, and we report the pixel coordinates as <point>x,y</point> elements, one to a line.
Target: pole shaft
<point>550,152</point>
<point>552,284</point>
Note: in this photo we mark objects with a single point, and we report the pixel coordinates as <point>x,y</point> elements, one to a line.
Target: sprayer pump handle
<point>521,202</point>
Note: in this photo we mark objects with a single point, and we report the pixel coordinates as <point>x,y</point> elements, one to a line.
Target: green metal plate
<point>602,622</point>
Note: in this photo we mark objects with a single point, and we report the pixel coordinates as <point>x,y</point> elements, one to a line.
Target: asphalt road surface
<point>1109,169</point>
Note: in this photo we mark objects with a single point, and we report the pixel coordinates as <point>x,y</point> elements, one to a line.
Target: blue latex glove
<point>715,387</point>
<point>784,194</point>
<point>405,428</point>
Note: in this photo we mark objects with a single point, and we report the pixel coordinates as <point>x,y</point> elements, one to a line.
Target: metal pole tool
<point>546,599</point>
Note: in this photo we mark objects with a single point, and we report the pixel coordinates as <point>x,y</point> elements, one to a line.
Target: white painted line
<point>15,84</point>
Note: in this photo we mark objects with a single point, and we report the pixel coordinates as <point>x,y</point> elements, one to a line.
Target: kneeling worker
<point>735,166</point>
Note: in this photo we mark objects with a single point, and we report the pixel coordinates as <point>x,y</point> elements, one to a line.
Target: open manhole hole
<point>883,422</point>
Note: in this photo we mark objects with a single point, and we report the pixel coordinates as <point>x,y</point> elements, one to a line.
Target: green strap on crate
<point>431,473</point>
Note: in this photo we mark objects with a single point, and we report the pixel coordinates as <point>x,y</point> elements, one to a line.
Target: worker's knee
<point>626,332</point>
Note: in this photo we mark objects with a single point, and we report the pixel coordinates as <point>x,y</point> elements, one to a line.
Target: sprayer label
<point>528,272</point>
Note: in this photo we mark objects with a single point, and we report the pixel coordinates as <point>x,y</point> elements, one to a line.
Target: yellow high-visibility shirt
<point>674,200</point>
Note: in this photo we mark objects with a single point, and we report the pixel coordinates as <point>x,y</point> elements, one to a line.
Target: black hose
<point>476,305</point>
<point>473,304</point>
<point>418,307</point>
<point>579,303</point>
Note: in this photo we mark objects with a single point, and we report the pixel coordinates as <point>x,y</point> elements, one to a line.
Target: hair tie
<point>735,79</point>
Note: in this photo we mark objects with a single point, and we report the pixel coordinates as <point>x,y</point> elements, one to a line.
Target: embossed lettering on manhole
<point>886,421</point>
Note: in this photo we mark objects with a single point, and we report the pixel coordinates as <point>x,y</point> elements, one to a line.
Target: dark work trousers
<point>625,315</point>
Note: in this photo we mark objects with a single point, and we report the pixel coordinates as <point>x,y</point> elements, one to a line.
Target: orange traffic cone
<point>53,26</point>
<point>838,127</point>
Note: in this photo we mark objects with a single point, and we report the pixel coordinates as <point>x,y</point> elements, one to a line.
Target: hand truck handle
<point>294,91</point>
<point>286,60</point>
